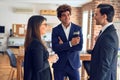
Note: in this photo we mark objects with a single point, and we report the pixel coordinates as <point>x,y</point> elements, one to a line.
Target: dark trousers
<point>86,65</point>
<point>68,71</point>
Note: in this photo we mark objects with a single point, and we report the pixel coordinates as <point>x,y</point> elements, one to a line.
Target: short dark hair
<point>63,8</point>
<point>108,10</point>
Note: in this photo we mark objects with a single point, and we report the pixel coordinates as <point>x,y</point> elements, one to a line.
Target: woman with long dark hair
<point>36,60</point>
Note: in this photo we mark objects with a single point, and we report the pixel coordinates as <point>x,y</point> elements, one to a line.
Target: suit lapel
<point>107,30</point>
<point>62,33</point>
<point>71,32</point>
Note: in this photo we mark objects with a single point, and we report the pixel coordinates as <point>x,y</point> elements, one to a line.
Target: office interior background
<point>14,15</point>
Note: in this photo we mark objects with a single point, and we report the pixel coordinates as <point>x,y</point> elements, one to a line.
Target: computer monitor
<point>2,29</point>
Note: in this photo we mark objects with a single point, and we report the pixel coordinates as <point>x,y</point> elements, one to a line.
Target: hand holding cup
<point>53,58</point>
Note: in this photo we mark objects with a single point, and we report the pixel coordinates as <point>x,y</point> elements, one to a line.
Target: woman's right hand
<point>53,58</point>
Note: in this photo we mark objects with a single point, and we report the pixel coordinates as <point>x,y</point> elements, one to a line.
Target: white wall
<point>8,17</point>
<point>117,26</point>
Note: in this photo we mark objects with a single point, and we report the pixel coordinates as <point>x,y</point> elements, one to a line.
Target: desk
<point>84,57</point>
<point>20,58</point>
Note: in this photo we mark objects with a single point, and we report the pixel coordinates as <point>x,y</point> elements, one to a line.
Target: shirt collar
<point>106,26</point>
<point>65,27</point>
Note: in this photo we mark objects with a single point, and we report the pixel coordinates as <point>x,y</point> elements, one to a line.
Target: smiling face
<point>98,17</point>
<point>65,18</point>
<point>43,28</point>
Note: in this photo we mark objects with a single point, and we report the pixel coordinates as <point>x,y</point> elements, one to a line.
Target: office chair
<point>13,63</point>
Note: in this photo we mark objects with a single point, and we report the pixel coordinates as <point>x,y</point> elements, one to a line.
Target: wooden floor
<point>4,72</point>
<point>5,68</point>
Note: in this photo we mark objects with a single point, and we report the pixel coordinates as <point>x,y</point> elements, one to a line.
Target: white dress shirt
<point>105,27</point>
<point>67,32</point>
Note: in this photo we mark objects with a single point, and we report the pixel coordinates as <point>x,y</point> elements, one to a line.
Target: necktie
<point>98,35</point>
<point>100,32</point>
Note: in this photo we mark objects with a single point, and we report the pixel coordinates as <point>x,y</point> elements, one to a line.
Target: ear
<point>105,16</point>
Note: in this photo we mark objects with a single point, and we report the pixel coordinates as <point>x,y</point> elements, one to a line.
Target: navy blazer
<point>36,66</point>
<point>104,56</point>
<point>64,51</point>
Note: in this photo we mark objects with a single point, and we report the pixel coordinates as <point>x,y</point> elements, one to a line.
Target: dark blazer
<point>64,51</point>
<point>104,56</point>
<point>36,66</point>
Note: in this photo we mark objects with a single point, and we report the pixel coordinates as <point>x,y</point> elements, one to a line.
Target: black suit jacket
<point>104,56</point>
<point>36,66</point>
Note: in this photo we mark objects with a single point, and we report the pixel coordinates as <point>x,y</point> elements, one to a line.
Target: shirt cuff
<point>70,44</point>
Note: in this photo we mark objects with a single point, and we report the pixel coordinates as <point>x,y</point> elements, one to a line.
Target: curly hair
<point>63,8</point>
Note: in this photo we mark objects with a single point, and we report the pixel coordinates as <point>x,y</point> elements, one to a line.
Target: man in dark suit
<point>104,54</point>
<point>67,42</point>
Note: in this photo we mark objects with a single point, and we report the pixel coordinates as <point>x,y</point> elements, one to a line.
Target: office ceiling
<point>73,3</point>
